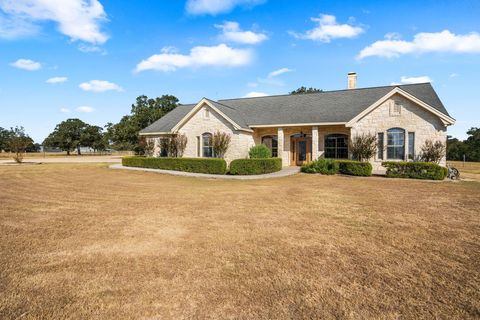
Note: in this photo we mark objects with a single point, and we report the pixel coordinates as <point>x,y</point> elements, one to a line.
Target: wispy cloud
<point>221,55</point>
<point>57,80</point>
<point>26,64</point>
<point>77,19</point>
<point>412,80</point>
<point>85,109</point>
<point>214,7</point>
<point>233,33</point>
<point>279,72</point>
<point>65,110</point>
<point>444,41</point>
<point>255,94</point>
<point>328,29</point>
<point>100,86</point>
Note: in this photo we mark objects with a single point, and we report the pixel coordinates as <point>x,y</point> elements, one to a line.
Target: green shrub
<point>322,166</point>
<point>415,170</point>
<point>354,168</point>
<point>260,151</point>
<point>255,166</point>
<point>199,165</point>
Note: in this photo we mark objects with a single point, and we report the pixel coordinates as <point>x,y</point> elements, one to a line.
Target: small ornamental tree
<point>18,143</point>
<point>220,143</point>
<point>144,147</point>
<point>432,151</point>
<point>260,151</point>
<point>180,144</point>
<point>363,147</point>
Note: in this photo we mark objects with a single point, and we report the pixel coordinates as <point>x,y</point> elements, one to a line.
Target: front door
<point>301,152</point>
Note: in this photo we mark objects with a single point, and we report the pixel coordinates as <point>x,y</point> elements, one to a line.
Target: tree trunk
<point>68,152</point>
<point>78,151</point>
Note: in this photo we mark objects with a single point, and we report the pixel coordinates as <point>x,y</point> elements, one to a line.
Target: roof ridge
<point>338,90</point>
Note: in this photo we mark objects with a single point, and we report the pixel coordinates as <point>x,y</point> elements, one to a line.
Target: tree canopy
<point>470,147</point>
<point>303,90</point>
<point>144,112</point>
<point>72,134</point>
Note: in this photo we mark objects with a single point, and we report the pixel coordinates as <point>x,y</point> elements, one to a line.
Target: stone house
<point>301,128</point>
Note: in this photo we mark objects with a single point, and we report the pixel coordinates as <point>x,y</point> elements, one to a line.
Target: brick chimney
<point>352,80</point>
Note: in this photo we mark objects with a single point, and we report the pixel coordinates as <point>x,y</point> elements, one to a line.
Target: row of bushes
<point>329,166</point>
<point>207,165</point>
<point>200,165</point>
<point>403,169</point>
<point>415,170</point>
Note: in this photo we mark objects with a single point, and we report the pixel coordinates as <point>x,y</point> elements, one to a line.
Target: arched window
<point>396,144</point>
<point>207,148</point>
<point>272,143</point>
<point>336,146</point>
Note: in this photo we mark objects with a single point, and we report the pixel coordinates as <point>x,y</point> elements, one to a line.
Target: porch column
<point>314,143</point>
<point>280,147</point>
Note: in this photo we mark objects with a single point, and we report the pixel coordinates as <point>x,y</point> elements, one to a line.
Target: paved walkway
<point>70,159</point>
<point>287,171</point>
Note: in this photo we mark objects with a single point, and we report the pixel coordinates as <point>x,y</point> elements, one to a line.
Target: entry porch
<point>297,145</point>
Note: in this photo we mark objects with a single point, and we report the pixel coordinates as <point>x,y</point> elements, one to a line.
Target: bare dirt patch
<point>84,241</point>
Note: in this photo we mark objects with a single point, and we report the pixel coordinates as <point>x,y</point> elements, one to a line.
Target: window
<point>411,145</point>
<point>207,114</point>
<point>380,143</point>
<point>336,146</point>
<point>396,144</point>
<point>272,143</point>
<point>207,147</point>
<point>163,147</point>
<point>395,108</point>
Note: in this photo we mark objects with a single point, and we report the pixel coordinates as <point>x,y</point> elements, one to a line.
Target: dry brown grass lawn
<point>84,241</point>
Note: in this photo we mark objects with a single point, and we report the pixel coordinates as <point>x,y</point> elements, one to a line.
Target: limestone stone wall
<point>411,118</point>
<point>202,122</point>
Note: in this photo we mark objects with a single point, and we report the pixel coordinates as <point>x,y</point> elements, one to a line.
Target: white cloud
<point>329,29</point>
<point>26,64</point>
<point>85,109</point>
<point>454,75</point>
<point>11,28</point>
<point>99,86</point>
<point>214,7</point>
<point>64,110</point>
<point>279,72</point>
<point>77,19</point>
<point>255,94</point>
<point>444,41</point>
<point>57,80</point>
<point>233,33</point>
<point>91,48</point>
<point>411,80</point>
<point>221,55</point>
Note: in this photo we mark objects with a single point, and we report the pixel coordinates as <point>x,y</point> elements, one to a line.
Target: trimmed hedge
<point>354,168</point>
<point>415,170</point>
<point>260,151</point>
<point>255,166</point>
<point>199,165</point>
<point>322,166</point>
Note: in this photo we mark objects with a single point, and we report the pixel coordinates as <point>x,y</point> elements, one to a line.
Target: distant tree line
<point>470,148</point>
<point>8,139</point>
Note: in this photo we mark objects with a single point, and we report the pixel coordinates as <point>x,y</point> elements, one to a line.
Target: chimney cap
<point>350,73</point>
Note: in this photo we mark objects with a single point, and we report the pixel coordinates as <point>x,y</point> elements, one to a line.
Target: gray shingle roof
<point>329,106</point>
<point>168,121</point>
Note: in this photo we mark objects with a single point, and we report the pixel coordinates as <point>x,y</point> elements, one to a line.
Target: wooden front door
<point>301,151</point>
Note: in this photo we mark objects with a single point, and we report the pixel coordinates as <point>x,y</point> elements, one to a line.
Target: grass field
<point>85,241</point>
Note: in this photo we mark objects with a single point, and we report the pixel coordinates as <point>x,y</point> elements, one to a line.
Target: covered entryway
<point>301,149</point>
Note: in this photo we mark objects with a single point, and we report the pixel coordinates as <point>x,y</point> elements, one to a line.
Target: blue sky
<point>90,59</point>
